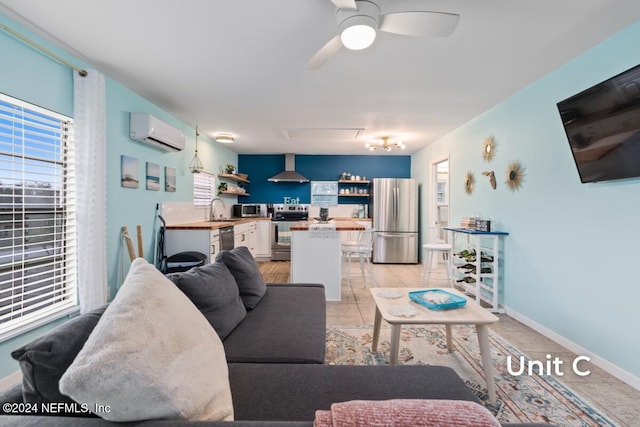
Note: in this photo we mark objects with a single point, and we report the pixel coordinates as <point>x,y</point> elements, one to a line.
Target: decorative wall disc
<point>469,182</point>
<point>515,175</point>
<point>488,148</point>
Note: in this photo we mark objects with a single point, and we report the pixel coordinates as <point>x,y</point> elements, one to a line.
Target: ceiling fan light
<point>224,138</point>
<point>358,32</point>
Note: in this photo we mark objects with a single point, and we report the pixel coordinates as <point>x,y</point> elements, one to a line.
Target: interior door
<point>440,198</point>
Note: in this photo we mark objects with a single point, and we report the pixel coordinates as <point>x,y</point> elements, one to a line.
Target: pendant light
<point>196,165</point>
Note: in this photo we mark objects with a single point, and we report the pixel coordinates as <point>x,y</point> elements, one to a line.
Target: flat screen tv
<point>602,124</point>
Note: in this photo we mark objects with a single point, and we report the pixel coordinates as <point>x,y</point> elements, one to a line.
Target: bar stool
<point>361,250</point>
<point>439,247</point>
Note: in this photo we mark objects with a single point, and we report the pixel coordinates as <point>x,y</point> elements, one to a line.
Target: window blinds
<point>37,216</point>
<point>203,188</point>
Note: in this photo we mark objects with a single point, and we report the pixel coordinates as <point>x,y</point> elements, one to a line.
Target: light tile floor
<point>614,397</point>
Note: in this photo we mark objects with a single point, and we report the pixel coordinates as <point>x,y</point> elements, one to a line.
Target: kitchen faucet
<point>212,210</point>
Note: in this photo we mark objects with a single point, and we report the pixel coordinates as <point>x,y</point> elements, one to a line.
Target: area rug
<point>523,398</point>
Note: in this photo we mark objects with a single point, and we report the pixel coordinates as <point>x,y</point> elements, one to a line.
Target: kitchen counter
<point>341,225</point>
<point>316,255</point>
<point>214,225</point>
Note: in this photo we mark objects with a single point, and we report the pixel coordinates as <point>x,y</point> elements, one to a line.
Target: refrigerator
<point>394,208</point>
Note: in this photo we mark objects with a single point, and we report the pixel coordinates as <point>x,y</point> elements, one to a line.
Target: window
<point>203,188</point>
<point>37,217</point>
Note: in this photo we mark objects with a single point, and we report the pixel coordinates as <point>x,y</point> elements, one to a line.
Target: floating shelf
<point>234,193</point>
<point>349,181</point>
<point>353,195</point>
<point>232,177</point>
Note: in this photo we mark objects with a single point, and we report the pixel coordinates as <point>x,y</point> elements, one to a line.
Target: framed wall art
<point>129,172</point>
<point>153,176</point>
<point>169,179</point>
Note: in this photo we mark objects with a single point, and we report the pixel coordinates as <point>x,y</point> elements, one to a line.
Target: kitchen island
<point>316,255</point>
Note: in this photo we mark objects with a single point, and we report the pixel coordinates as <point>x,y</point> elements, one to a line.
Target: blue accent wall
<point>316,168</point>
<point>572,247</point>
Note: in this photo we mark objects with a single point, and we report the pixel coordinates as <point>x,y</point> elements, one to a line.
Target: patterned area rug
<point>524,398</point>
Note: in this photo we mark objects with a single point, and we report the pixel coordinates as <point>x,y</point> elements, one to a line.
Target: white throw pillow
<point>152,355</point>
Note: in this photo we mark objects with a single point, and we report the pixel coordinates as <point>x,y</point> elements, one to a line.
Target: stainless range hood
<point>289,174</point>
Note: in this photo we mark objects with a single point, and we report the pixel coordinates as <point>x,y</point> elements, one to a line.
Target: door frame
<point>433,214</point>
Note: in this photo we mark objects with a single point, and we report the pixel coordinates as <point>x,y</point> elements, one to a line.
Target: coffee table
<point>470,314</point>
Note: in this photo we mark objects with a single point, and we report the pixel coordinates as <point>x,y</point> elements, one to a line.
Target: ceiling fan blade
<point>345,4</point>
<point>438,24</point>
<point>326,52</point>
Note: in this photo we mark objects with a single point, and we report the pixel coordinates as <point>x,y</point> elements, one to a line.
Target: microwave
<point>246,211</point>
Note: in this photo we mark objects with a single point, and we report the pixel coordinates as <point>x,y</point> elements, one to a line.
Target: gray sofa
<point>275,357</point>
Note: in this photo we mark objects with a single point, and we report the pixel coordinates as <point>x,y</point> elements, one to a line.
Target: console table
<point>480,275</point>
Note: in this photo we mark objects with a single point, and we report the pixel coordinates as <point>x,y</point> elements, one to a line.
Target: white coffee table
<point>470,314</point>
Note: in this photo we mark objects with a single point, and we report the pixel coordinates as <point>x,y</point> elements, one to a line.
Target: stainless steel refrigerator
<point>395,219</point>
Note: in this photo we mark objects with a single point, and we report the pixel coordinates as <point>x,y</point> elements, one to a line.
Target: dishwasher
<point>226,238</point>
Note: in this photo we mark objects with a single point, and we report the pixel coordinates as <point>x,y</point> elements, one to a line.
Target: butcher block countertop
<point>341,225</point>
<point>349,223</point>
<point>213,225</point>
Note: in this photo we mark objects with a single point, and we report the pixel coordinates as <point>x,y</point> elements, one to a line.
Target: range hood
<point>289,174</point>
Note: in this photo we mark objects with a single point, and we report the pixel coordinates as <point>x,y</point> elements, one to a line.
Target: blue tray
<point>455,302</point>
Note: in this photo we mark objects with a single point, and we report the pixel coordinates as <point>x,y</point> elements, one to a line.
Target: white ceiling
<point>239,66</point>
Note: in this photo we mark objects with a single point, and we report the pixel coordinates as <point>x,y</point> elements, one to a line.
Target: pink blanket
<point>406,413</point>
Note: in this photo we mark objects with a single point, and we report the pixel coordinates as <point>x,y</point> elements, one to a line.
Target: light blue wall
<point>130,207</point>
<point>33,77</point>
<point>572,248</point>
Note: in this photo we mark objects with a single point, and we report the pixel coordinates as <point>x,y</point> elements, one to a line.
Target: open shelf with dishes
<point>233,177</point>
<point>235,191</point>
<point>359,188</point>
<point>476,264</point>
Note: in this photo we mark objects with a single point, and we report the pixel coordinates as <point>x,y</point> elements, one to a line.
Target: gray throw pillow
<point>247,274</point>
<point>44,360</point>
<point>213,290</point>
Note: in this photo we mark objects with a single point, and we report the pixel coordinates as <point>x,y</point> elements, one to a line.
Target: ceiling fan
<point>359,21</point>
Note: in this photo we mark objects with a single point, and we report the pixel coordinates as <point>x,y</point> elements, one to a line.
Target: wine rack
<point>476,264</point>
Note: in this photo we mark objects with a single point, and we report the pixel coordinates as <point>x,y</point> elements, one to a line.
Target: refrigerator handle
<point>397,235</point>
<point>397,203</point>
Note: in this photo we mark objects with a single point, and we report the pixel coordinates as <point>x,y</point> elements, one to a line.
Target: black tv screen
<point>602,124</point>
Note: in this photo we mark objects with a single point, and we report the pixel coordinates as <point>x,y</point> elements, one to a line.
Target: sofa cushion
<point>44,360</point>
<point>288,326</point>
<point>214,291</point>
<point>247,274</point>
<point>300,390</point>
<point>152,355</point>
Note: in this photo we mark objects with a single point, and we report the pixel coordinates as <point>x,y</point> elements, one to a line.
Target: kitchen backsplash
<point>183,212</point>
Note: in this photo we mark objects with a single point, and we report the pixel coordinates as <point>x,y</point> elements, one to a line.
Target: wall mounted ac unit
<point>145,128</point>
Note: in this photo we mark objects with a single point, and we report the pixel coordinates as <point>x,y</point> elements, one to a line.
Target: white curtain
<point>90,151</point>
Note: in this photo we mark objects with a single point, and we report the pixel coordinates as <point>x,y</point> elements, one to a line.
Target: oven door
<point>281,240</point>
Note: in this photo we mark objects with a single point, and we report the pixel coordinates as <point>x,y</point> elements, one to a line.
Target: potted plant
<point>222,187</point>
<point>230,168</point>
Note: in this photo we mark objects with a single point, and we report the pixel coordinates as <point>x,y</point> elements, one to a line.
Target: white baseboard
<point>598,361</point>
<point>10,380</point>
